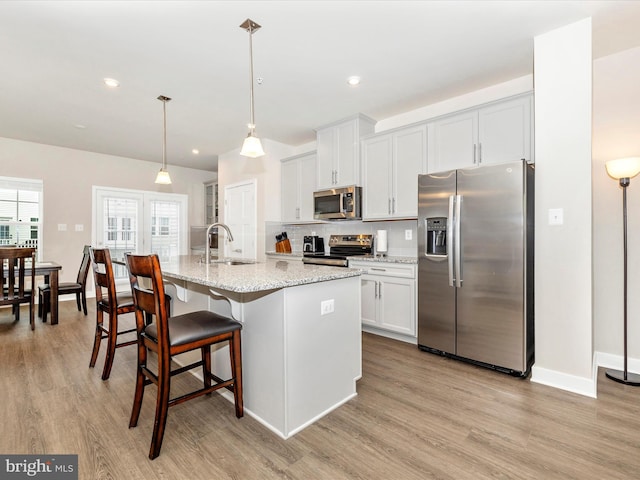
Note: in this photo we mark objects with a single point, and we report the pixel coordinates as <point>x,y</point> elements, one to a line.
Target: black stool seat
<point>194,326</point>
<point>123,300</point>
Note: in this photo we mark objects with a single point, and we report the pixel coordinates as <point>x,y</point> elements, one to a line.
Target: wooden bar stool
<point>168,337</point>
<point>113,304</point>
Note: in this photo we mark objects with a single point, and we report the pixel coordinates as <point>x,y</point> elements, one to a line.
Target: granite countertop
<point>251,277</point>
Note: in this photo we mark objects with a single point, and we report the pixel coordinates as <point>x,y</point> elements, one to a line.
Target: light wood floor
<point>416,416</point>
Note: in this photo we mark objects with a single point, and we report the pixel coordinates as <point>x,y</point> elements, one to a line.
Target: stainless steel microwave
<point>338,204</point>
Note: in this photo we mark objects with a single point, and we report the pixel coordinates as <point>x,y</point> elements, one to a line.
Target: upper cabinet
<point>298,184</point>
<point>391,163</point>
<point>497,133</point>
<point>338,162</point>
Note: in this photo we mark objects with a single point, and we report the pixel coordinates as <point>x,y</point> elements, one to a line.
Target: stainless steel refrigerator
<point>475,265</point>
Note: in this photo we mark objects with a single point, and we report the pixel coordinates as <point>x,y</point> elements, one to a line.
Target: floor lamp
<point>624,169</point>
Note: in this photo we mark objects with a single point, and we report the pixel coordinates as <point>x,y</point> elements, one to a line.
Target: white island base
<point>298,365</point>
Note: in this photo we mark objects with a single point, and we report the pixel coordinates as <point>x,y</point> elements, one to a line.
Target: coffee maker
<point>312,245</point>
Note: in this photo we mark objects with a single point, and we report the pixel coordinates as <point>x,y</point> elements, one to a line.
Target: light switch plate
<point>408,234</point>
<point>79,227</point>
<point>62,227</point>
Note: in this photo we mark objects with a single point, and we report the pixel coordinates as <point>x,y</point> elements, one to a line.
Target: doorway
<point>240,215</point>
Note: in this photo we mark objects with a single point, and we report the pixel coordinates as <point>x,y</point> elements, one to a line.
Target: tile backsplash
<point>397,245</point>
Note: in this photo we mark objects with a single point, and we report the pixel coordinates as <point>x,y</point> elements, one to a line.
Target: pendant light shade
<point>252,147</point>
<point>163,177</point>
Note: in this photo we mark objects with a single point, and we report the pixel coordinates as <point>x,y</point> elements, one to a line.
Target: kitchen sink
<point>230,261</point>
<point>234,262</point>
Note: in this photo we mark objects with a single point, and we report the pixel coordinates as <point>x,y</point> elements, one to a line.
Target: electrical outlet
<point>62,227</point>
<point>408,234</point>
<point>327,306</point>
<point>556,216</point>
<point>79,227</point>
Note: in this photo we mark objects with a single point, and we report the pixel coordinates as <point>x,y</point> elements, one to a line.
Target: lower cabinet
<point>389,299</point>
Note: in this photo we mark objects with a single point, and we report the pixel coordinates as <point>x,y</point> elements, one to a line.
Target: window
<point>126,229</point>
<point>139,222</point>
<point>112,229</point>
<point>21,212</point>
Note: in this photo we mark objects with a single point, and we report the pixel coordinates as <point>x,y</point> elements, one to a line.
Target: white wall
<point>468,100</point>
<point>616,134</point>
<point>68,176</point>
<point>563,254</point>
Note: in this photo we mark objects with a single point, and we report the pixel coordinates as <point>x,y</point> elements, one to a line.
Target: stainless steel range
<point>341,247</point>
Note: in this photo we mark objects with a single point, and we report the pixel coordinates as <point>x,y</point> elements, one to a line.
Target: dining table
<point>50,272</point>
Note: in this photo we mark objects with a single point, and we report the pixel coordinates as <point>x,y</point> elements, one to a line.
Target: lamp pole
<point>624,376</point>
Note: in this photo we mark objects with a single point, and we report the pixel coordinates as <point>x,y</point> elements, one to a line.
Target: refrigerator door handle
<point>449,240</point>
<point>458,242</point>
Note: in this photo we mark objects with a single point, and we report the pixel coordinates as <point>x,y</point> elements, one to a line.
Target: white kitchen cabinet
<point>298,182</point>
<point>388,298</point>
<point>338,162</point>
<point>496,133</point>
<point>391,163</point>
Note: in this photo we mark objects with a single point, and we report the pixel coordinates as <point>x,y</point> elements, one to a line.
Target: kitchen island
<point>301,336</point>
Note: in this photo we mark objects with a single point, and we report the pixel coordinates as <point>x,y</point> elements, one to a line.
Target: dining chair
<point>111,302</point>
<point>78,288</point>
<point>14,271</point>
<point>170,336</point>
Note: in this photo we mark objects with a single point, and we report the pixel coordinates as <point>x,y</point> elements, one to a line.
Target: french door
<point>139,222</point>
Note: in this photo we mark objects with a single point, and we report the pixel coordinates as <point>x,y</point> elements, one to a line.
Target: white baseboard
<point>609,360</point>
<point>582,385</point>
<point>386,333</point>
<point>564,381</point>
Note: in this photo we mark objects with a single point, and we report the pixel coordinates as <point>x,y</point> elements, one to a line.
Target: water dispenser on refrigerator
<point>436,236</point>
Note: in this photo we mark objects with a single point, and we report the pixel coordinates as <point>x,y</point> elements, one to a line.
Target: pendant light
<point>251,146</point>
<point>163,177</point>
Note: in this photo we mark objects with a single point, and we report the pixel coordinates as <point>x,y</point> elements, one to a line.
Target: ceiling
<point>54,56</point>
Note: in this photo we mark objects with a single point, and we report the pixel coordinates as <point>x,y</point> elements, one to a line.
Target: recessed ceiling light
<point>80,126</point>
<point>111,82</point>
<point>353,81</point>
<point>195,151</point>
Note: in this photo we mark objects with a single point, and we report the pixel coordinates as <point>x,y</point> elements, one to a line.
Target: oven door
<point>325,260</point>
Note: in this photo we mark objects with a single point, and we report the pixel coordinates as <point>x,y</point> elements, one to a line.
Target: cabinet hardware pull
<point>474,153</point>
<point>379,269</point>
<point>479,153</point>
<point>389,207</point>
<point>393,205</point>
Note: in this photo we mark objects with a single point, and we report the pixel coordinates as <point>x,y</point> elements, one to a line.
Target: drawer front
<point>386,269</point>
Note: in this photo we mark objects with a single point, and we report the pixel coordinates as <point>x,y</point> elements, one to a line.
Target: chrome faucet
<point>207,247</point>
